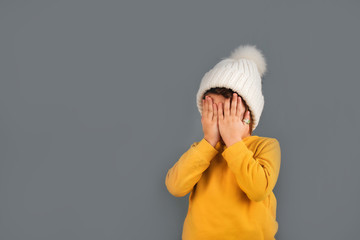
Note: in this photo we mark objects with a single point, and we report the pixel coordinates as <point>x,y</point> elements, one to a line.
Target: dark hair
<point>228,93</point>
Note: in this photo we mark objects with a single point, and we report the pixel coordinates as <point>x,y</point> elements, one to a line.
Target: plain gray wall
<point>97,102</point>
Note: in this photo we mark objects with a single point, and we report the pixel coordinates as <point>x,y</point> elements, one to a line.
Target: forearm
<point>187,171</point>
<point>256,176</point>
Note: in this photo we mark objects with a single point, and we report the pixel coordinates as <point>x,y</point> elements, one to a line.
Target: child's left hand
<point>231,127</point>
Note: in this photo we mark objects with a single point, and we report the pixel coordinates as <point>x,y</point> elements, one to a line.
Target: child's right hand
<point>209,121</point>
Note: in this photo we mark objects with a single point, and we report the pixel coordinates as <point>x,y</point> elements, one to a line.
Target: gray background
<point>97,102</point>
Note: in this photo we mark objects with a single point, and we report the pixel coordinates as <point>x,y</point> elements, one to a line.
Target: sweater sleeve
<point>187,171</point>
<point>256,176</point>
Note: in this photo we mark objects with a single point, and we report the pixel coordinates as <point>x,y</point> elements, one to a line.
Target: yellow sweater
<point>231,189</point>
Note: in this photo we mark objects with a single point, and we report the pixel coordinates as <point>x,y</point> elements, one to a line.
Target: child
<point>230,173</point>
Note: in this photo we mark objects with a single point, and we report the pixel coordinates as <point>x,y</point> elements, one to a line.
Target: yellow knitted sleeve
<point>187,171</point>
<point>255,175</point>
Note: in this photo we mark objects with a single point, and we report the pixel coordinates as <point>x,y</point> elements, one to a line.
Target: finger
<point>246,116</point>
<point>238,108</point>
<point>241,108</point>
<point>205,106</point>
<point>215,112</point>
<point>227,107</point>
<point>211,111</point>
<point>220,112</point>
<point>233,104</point>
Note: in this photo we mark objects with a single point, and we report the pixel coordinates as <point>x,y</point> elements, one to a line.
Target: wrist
<point>232,141</point>
<point>210,141</point>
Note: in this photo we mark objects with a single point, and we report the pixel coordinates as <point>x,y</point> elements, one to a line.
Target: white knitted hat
<point>242,73</point>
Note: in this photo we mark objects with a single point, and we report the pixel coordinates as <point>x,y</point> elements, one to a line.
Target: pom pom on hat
<point>250,52</point>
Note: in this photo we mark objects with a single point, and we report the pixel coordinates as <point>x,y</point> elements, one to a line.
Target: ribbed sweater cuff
<point>205,150</point>
<point>236,151</point>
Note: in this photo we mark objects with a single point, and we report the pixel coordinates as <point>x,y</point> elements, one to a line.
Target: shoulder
<point>270,140</point>
<point>264,144</point>
<point>265,140</point>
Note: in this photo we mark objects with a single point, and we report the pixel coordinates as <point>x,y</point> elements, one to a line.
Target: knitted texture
<point>241,72</point>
